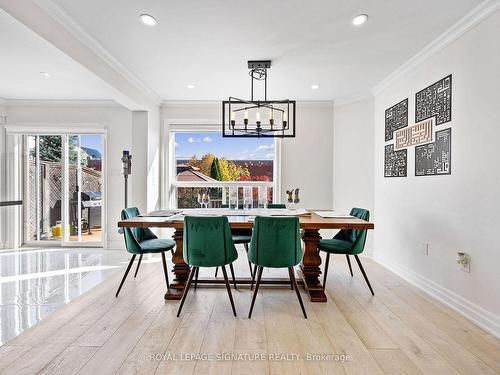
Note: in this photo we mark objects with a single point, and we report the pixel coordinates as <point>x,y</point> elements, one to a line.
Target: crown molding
<point>218,103</point>
<point>352,98</point>
<point>60,15</point>
<point>190,103</point>
<point>466,23</point>
<point>60,103</point>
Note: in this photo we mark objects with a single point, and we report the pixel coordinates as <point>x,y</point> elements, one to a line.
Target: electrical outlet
<point>425,248</point>
<point>463,261</point>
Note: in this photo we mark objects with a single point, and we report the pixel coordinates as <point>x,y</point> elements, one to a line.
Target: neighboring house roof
<point>188,173</point>
<point>93,153</point>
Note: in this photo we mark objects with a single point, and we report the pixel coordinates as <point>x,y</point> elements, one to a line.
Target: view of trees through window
<point>207,156</point>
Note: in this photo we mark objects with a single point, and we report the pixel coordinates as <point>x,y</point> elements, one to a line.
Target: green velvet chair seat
<point>335,246</point>
<point>349,242</point>
<point>140,241</point>
<point>156,245</point>
<point>208,243</point>
<point>276,244</point>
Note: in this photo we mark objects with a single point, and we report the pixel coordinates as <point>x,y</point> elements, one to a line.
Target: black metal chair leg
<point>165,270</point>
<point>196,278</point>
<point>294,283</point>
<point>364,274</point>
<point>228,287</point>
<point>253,276</point>
<point>126,273</point>
<point>232,275</point>
<point>259,275</point>
<point>216,271</point>
<point>249,264</point>
<point>349,263</point>
<point>138,265</point>
<point>327,262</point>
<point>186,289</point>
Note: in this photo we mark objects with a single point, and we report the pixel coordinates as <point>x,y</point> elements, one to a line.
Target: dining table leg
<point>310,266</point>
<point>181,269</point>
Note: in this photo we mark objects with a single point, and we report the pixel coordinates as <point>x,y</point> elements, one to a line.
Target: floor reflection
<point>36,282</point>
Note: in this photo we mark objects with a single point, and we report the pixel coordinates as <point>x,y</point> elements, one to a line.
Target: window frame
<point>169,168</point>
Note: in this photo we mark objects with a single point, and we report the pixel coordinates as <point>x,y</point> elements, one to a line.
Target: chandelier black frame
<point>281,121</point>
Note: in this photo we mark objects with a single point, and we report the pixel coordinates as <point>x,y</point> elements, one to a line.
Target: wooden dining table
<point>308,271</point>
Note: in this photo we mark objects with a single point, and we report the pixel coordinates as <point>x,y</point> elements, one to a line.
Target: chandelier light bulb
<point>246,115</point>
<point>257,116</point>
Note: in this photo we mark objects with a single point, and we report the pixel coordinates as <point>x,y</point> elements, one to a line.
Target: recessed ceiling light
<point>359,19</point>
<point>45,74</point>
<point>190,86</point>
<point>315,86</point>
<point>148,20</point>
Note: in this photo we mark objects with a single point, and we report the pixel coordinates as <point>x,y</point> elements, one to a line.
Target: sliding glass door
<point>64,189</point>
<point>84,160</point>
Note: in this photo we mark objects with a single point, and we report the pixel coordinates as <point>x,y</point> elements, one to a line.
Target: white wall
<point>118,121</point>
<point>353,159</point>
<point>459,212</point>
<point>306,160</point>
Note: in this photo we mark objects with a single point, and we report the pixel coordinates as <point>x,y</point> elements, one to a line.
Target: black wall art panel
<point>395,162</point>
<point>396,117</point>
<point>434,100</point>
<point>434,158</point>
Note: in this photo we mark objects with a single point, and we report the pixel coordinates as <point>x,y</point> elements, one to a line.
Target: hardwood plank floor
<point>399,331</point>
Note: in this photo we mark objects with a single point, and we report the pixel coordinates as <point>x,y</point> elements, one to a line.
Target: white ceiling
<point>207,43</point>
<point>24,54</point>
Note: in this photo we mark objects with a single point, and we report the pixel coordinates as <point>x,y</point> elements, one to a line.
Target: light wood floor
<point>399,331</point>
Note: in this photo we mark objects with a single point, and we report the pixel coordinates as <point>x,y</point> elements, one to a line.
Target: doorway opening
<point>64,189</point>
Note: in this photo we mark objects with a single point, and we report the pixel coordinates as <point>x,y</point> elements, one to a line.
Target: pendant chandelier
<point>258,118</point>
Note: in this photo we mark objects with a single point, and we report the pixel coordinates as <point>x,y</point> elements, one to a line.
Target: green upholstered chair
<point>140,241</point>
<point>276,244</point>
<point>208,243</point>
<point>348,242</point>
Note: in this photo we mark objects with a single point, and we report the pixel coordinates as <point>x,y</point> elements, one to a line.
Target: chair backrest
<point>276,205</point>
<point>356,236</point>
<point>275,242</point>
<point>208,241</point>
<point>132,235</point>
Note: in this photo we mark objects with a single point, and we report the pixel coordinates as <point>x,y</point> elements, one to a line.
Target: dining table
<point>311,222</point>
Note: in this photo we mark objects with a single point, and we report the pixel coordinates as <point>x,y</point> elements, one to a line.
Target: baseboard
<point>475,313</point>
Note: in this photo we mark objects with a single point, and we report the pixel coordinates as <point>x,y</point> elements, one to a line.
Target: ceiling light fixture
<point>45,74</point>
<point>190,86</point>
<point>148,20</point>
<point>315,86</point>
<point>258,118</point>
<point>359,19</point>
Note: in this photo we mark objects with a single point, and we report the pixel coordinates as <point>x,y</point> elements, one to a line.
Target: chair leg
<point>186,289</point>
<point>349,263</point>
<point>228,287</point>
<point>165,270</point>
<point>138,265</point>
<point>232,275</point>
<point>126,273</point>
<point>259,275</point>
<point>364,274</point>
<point>216,271</point>
<point>294,283</point>
<point>327,262</point>
<point>249,264</point>
<point>196,278</point>
<point>253,276</point>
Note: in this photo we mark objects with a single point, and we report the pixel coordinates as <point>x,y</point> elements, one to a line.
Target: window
<point>205,162</point>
